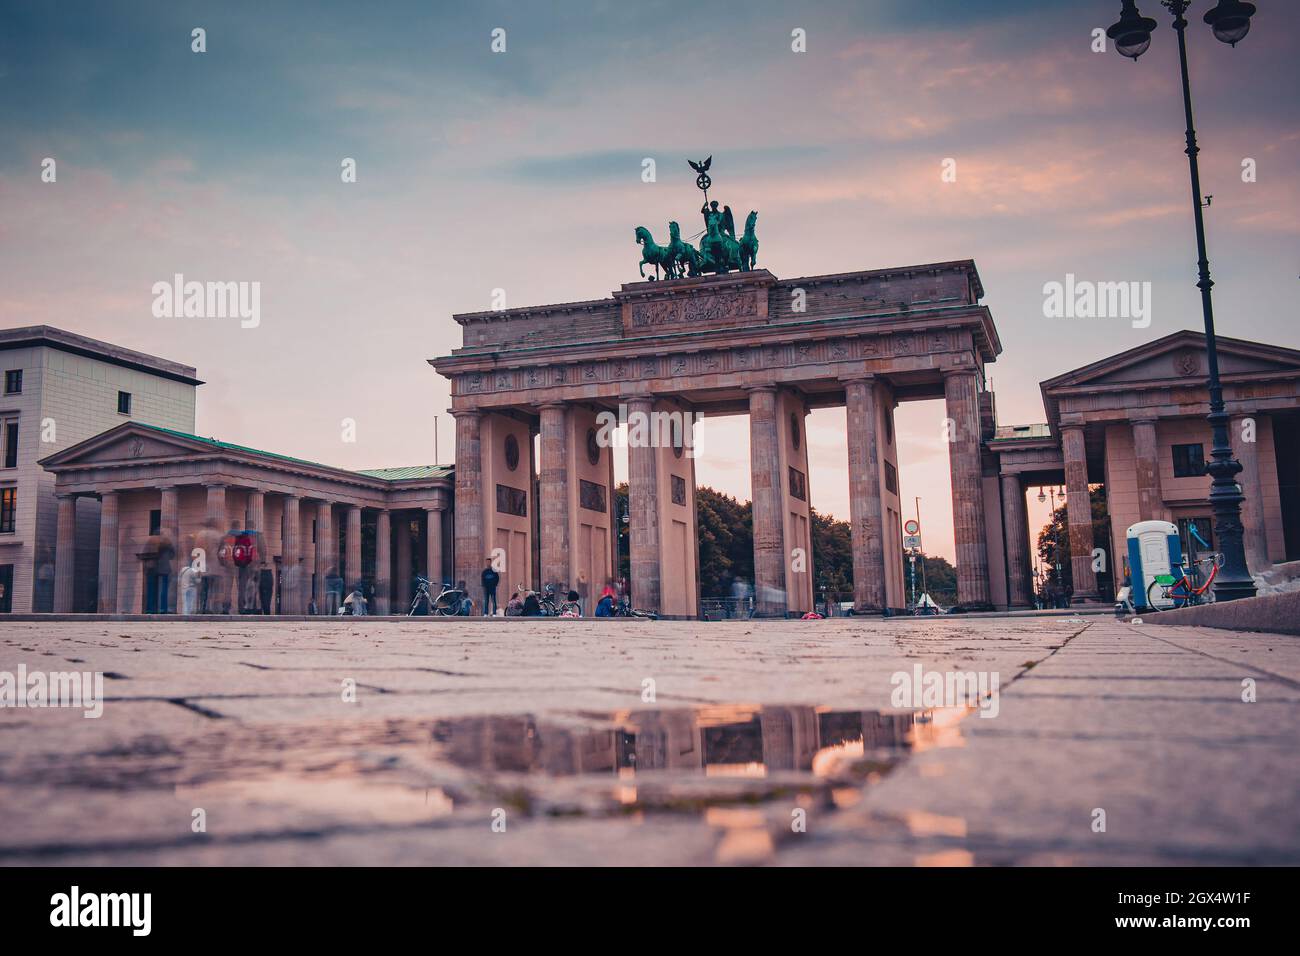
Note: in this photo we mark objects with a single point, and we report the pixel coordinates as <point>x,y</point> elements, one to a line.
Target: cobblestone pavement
<point>486,742</point>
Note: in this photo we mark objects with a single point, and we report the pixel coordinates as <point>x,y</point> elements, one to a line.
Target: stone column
<point>1254,530</point>
<point>217,506</point>
<point>469,497</point>
<point>1078,506</point>
<point>1146,465</point>
<point>65,555</point>
<point>769,533</point>
<point>353,544</point>
<point>383,563</point>
<point>170,521</point>
<point>290,567</point>
<point>255,517</point>
<point>215,582</point>
<point>433,552</point>
<point>322,555</point>
<point>961,394</point>
<point>865,510</point>
<point>108,544</point>
<point>403,581</point>
<point>1015,529</point>
<point>553,490</point>
<point>643,509</point>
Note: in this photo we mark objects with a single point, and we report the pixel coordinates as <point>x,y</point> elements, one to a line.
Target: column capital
<point>554,404</point>
<point>954,371</point>
<point>1143,418</point>
<point>762,388</point>
<point>66,495</point>
<point>470,414</point>
<point>866,378</point>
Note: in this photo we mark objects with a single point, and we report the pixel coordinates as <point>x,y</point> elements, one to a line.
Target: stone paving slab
<point>457,723</point>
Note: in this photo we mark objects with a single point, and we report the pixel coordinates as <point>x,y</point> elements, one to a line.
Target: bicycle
<point>446,604</point>
<point>624,609</point>
<point>1186,589</point>
<point>552,606</point>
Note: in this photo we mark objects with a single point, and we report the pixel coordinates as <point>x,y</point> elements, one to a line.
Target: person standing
<point>333,591</point>
<point>207,544</point>
<point>190,579</point>
<point>490,581</point>
<point>163,569</point>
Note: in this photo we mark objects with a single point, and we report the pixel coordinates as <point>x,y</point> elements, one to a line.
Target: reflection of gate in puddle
<point>723,740</point>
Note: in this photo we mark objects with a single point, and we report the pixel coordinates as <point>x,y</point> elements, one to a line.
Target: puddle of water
<point>737,741</point>
<point>746,770</point>
<point>351,797</point>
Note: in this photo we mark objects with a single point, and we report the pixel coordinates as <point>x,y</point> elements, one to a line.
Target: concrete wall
<point>591,560</point>
<point>678,552</point>
<point>513,534</point>
<point>792,450</point>
<point>1183,497</point>
<point>891,502</point>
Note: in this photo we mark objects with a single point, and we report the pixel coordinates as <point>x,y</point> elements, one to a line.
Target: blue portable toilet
<point>1154,548</point>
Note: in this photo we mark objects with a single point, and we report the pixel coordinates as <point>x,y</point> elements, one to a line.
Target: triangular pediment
<point>127,443</point>
<point>1178,358</point>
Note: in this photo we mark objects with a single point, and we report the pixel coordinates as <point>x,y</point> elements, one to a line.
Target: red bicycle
<point>1187,589</point>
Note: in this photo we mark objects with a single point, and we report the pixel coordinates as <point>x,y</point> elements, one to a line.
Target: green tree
<point>621,532</point>
<point>935,575</point>
<point>832,557</point>
<point>1054,548</point>
<point>726,533</point>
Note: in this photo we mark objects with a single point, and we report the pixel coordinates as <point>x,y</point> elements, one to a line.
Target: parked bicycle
<point>624,609</point>
<point>446,604</point>
<point>553,606</point>
<point>1191,583</point>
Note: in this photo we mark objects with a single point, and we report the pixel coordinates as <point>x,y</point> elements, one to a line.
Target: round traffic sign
<point>912,526</point>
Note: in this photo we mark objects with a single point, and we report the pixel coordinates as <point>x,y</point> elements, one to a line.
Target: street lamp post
<point>1230,21</point>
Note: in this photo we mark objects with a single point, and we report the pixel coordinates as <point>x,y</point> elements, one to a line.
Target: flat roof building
<point>61,388</point>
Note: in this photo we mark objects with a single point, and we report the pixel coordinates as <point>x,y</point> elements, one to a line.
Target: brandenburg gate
<point>735,341</point>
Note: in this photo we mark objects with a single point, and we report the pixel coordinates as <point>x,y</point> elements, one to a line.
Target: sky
<point>522,170</point>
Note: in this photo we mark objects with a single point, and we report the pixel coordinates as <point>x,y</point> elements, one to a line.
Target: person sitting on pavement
<point>355,602</point>
<point>573,602</point>
<point>605,606</point>
<point>515,606</point>
<point>532,606</point>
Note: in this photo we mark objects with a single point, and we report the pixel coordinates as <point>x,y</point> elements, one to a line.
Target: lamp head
<point>1230,20</point>
<point>1132,32</point>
